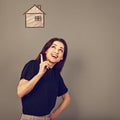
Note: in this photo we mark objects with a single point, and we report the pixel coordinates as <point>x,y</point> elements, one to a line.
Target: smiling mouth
<point>54,56</point>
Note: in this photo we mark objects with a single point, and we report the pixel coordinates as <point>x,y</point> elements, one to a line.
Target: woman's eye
<point>61,50</point>
<point>52,46</point>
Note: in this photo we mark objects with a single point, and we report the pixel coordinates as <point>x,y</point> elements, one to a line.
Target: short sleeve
<point>28,71</point>
<point>62,87</point>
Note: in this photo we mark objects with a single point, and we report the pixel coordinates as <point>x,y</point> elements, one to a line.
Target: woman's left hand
<point>52,116</point>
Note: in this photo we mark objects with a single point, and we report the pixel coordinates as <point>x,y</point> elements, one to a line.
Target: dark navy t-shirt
<point>41,100</point>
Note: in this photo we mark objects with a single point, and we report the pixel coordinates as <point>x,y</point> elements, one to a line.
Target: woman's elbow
<point>66,97</point>
<point>19,94</point>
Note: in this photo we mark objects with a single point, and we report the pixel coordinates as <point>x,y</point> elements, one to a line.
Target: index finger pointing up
<point>41,57</point>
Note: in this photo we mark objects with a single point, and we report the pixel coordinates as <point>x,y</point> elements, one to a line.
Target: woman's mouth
<point>54,56</point>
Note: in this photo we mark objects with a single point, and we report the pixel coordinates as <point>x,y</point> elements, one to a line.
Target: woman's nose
<point>56,50</point>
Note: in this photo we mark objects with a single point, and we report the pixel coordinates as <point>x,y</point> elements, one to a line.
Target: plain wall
<point>92,70</point>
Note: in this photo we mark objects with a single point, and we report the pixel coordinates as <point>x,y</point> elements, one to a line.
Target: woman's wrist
<point>39,75</point>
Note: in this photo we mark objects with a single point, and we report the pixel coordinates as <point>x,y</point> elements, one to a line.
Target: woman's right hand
<point>44,65</point>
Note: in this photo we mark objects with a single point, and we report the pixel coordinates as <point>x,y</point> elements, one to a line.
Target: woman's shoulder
<point>32,62</point>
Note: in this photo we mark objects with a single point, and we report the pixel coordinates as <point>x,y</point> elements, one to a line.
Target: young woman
<point>41,83</point>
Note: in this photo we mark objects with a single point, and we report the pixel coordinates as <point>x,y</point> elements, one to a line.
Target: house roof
<point>34,9</point>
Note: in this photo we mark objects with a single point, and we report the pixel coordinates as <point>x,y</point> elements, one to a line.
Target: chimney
<point>39,6</point>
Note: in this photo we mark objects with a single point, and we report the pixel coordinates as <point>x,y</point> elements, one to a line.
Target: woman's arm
<point>65,102</point>
<point>25,86</point>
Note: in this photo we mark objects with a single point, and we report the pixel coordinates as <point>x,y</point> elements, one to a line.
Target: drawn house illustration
<point>34,17</point>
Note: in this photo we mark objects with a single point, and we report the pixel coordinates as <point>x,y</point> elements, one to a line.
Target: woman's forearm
<point>65,102</point>
<point>25,86</point>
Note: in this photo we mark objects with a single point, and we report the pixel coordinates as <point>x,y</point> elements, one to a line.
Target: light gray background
<point>92,71</point>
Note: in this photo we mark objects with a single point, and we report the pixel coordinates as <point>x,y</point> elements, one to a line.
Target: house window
<point>38,18</point>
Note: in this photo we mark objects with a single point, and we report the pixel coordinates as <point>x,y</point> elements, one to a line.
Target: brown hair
<point>60,64</point>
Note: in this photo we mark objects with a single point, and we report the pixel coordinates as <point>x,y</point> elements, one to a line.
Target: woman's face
<point>55,53</point>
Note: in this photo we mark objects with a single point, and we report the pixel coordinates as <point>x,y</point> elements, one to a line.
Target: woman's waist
<point>33,117</point>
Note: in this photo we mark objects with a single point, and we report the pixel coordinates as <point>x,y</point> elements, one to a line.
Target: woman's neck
<point>51,64</point>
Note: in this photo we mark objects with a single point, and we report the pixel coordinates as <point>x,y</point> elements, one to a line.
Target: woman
<point>41,83</point>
